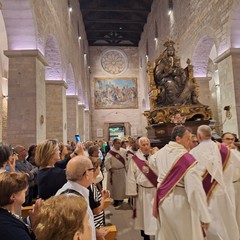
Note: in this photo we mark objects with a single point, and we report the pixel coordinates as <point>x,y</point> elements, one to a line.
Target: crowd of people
<point>189,189</point>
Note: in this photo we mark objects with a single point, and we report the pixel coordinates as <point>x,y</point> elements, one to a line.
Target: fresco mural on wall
<point>115,93</point>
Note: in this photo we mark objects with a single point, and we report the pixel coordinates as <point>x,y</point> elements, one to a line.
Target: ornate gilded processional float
<point>173,97</point>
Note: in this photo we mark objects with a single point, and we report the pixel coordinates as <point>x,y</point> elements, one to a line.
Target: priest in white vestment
<point>221,198</point>
<point>183,212</point>
<point>115,164</point>
<point>142,190</point>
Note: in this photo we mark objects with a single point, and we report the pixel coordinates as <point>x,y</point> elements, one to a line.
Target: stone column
<point>4,119</point>
<point>229,80</point>
<point>87,125</point>
<point>56,113</point>
<point>72,117</point>
<point>105,131</point>
<point>204,92</point>
<point>3,109</point>
<point>26,97</point>
<point>127,127</point>
<point>81,121</point>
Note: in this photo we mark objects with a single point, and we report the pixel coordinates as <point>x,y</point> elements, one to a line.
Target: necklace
<point>30,231</point>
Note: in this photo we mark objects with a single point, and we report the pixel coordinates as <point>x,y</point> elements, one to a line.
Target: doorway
<point>116,131</point>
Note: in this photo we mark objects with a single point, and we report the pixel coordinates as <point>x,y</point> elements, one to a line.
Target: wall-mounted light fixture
<point>228,112</point>
<point>156,32</point>
<point>69,6</point>
<point>78,30</point>
<point>147,50</point>
<point>170,7</point>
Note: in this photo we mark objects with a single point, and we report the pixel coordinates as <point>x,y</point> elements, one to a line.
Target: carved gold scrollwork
<point>174,92</point>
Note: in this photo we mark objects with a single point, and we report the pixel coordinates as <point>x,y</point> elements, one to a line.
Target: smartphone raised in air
<point>77,137</point>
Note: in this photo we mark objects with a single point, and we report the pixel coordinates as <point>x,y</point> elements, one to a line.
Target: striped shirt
<point>95,198</point>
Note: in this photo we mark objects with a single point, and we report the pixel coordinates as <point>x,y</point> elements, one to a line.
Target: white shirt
<point>85,193</point>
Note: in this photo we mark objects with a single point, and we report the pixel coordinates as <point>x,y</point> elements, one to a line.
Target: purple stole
<point>146,170</point>
<point>207,184</point>
<point>118,157</point>
<point>175,174</point>
<point>130,152</point>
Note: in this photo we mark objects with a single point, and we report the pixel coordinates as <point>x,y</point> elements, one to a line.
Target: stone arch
<point>52,53</point>
<point>201,55</point>
<point>20,24</point>
<point>3,46</point>
<point>70,79</point>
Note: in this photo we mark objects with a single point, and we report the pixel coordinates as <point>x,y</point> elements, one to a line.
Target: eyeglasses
<point>90,169</point>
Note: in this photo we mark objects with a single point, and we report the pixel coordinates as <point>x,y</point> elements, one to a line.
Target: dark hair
<point>30,150</point>
<point>123,142</point>
<point>227,133</point>
<point>5,153</point>
<point>178,131</point>
<point>115,140</point>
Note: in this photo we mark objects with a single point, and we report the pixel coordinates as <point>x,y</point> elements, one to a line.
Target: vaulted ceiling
<point>114,22</point>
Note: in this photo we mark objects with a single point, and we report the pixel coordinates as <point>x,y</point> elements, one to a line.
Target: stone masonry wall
<point>196,27</point>
<point>101,116</point>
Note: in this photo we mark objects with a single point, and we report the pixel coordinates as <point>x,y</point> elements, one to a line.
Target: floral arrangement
<point>178,119</point>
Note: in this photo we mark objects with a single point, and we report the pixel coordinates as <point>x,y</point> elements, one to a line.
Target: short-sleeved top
<point>95,198</point>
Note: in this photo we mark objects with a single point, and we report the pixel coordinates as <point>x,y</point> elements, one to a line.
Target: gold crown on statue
<point>169,44</point>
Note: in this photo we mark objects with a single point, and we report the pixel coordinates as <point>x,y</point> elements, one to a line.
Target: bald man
<point>79,174</point>
<point>141,184</point>
<point>215,165</point>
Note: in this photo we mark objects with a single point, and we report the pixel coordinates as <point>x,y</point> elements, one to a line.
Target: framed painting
<point>115,93</point>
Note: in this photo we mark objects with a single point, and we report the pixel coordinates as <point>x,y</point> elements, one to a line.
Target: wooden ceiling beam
<point>114,44</point>
<point>107,31</point>
<point>120,21</point>
<point>114,39</point>
<point>129,10</point>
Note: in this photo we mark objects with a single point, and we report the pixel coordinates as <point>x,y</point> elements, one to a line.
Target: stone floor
<point>122,217</point>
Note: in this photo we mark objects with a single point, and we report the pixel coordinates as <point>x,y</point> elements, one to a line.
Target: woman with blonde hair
<point>63,217</point>
<point>13,187</point>
<point>51,175</point>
